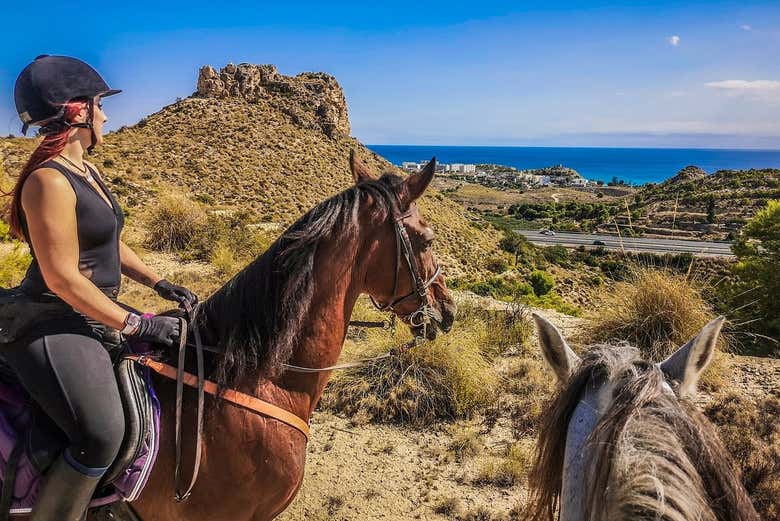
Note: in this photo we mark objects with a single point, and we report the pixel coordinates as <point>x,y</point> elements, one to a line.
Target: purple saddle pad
<point>15,418</point>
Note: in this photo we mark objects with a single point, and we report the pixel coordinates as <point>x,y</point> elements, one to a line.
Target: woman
<point>72,222</point>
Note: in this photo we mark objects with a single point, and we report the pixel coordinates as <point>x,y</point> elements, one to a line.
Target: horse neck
<point>337,287</point>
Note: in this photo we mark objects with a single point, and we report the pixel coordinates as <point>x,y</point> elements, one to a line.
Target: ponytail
<point>49,148</point>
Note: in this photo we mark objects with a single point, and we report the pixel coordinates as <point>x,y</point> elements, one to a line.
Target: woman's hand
<point>170,291</point>
<point>158,330</point>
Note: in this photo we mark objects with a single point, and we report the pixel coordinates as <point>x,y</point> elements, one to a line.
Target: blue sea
<point>633,165</point>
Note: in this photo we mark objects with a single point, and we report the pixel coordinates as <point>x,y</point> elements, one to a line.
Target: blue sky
<point>670,74</point>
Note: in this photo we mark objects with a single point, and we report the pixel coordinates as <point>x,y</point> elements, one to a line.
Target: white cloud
<point>764,89</point>
<point>674,40</point>
<point>746,27</point>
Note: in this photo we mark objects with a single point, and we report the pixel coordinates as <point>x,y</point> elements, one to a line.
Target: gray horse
<point>623,440</point>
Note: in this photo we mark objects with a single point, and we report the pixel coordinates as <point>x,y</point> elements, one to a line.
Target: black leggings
<point>71,377</point>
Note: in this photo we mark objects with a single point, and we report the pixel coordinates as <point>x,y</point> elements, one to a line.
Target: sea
<point>635,166</point>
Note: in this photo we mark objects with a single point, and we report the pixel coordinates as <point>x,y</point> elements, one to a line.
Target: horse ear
<point>560,357</point>
<point>687,363</point>
<point>360,172</point>
<point>417,183</point>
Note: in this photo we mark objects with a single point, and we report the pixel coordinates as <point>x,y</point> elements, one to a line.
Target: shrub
<point>497,264</point>
<point>655,310</point>
<point>751,432</point>
<point>5,231</point>
<point>754,297</point>
<point>173,223</point>
<point>542,282</point>
<point>14,260</point>
<point>444,379</point>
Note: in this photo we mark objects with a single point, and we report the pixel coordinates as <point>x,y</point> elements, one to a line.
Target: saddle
<point>30,442</point>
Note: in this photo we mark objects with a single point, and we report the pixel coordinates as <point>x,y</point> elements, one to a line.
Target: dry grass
<point>657,311</point>
<point>444,379</point>
<point>14,260</point>
<point>751,432</point>
<point>465,442</point>
<point>450,378</point>
<point>174,222</point>
<point>528,379</point>
<point>509,470</point>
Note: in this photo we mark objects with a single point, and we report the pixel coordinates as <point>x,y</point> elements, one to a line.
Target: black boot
<point>65,493</point>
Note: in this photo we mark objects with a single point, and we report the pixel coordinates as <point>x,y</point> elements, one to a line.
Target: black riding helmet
<point>44,86</point>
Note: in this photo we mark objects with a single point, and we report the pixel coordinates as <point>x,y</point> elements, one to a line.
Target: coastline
<point>634,165</point>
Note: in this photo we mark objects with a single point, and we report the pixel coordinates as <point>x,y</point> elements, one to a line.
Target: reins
<point>421,317</point>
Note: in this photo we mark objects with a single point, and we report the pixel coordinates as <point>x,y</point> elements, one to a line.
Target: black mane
<point>255,319</point>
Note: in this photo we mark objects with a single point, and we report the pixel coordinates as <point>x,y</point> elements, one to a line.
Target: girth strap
<point>242,400</point>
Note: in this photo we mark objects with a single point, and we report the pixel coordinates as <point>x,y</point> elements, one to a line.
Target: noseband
<point>423,314</point>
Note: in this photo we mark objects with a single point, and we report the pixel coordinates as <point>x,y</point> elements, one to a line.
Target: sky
<point>660,74</point>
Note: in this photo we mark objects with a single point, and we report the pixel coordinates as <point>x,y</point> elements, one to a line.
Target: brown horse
<point>623,440</point>
<point>292,305</point>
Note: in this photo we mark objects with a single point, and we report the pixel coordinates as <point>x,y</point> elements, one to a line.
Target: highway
<point>635,244</point>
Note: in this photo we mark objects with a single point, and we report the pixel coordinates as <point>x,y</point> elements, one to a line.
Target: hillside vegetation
<point>259,141</point>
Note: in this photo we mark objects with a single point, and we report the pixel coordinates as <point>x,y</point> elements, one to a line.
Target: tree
<point>711,210</point>
<point>513,242</point>
<point>758,256</point>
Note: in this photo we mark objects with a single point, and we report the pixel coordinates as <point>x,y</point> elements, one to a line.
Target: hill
<point>253,138</point>
<point>697,204</point>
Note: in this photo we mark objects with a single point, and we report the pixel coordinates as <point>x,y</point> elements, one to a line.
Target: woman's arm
<point>49,205</point>
<point>134,267</point>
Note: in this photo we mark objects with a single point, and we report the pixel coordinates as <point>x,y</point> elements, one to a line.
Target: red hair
<point>49,148</point>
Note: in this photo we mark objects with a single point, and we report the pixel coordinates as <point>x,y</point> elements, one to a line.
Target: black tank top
<point>98,233</point>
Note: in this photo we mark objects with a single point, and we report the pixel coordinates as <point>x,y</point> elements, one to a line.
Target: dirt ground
<point>397,473</point>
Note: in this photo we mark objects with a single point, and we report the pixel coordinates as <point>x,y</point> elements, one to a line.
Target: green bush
<point>753,298</point>
<point>541,282</point>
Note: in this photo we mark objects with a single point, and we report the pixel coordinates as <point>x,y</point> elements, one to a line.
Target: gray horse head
<point>597,396</point>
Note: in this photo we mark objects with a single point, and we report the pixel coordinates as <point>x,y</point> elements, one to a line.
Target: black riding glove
<point>179,294</point>
<point>158,330</point>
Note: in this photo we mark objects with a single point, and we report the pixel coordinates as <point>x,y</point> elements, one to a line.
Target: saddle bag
<point>19,312</point>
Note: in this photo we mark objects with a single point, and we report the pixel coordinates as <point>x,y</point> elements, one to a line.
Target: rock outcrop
<point>313,100</point>
<point>688,173</point>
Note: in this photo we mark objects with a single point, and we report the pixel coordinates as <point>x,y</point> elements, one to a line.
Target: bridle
<point>421,317</point>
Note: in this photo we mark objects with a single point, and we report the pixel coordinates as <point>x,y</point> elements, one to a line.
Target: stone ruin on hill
<point>313,100</point>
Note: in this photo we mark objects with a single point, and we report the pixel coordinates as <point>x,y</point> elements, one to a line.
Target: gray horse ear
<point>561,358</point>
<point>417,183</point>
<point>686,365</point>
<point>360,172</point>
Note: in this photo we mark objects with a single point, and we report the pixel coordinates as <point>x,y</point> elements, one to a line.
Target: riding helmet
<point>45,85</point>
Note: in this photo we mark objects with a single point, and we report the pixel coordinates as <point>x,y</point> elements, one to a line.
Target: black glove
<point>179,294</point>
<point>158,330</point>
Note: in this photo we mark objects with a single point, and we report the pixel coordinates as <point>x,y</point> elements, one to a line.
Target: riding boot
<point>65,493</point>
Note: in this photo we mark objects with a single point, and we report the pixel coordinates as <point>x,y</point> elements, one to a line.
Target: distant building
<point>411,167</point>
<point>469,169</point>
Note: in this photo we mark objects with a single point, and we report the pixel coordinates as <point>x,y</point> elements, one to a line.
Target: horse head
<point>402,274</point>
<point>624,441</point>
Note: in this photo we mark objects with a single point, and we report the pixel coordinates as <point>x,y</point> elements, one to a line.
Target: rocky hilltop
<point>252,138</point>
<point>689,173</point>
<point>312,99</point>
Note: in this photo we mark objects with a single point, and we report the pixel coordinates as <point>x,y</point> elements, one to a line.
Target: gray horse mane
<point>652,456</point>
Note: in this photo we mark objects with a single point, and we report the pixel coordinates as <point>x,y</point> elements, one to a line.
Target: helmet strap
<point>90,116</point>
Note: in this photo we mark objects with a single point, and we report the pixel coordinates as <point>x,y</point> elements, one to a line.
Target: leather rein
<point>421,317</point>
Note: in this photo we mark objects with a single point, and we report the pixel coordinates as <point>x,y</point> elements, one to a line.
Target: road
<point>638,244</point>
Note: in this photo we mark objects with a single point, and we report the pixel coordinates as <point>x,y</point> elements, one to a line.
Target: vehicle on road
<point>547,232</point>
<point>599,242</point>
